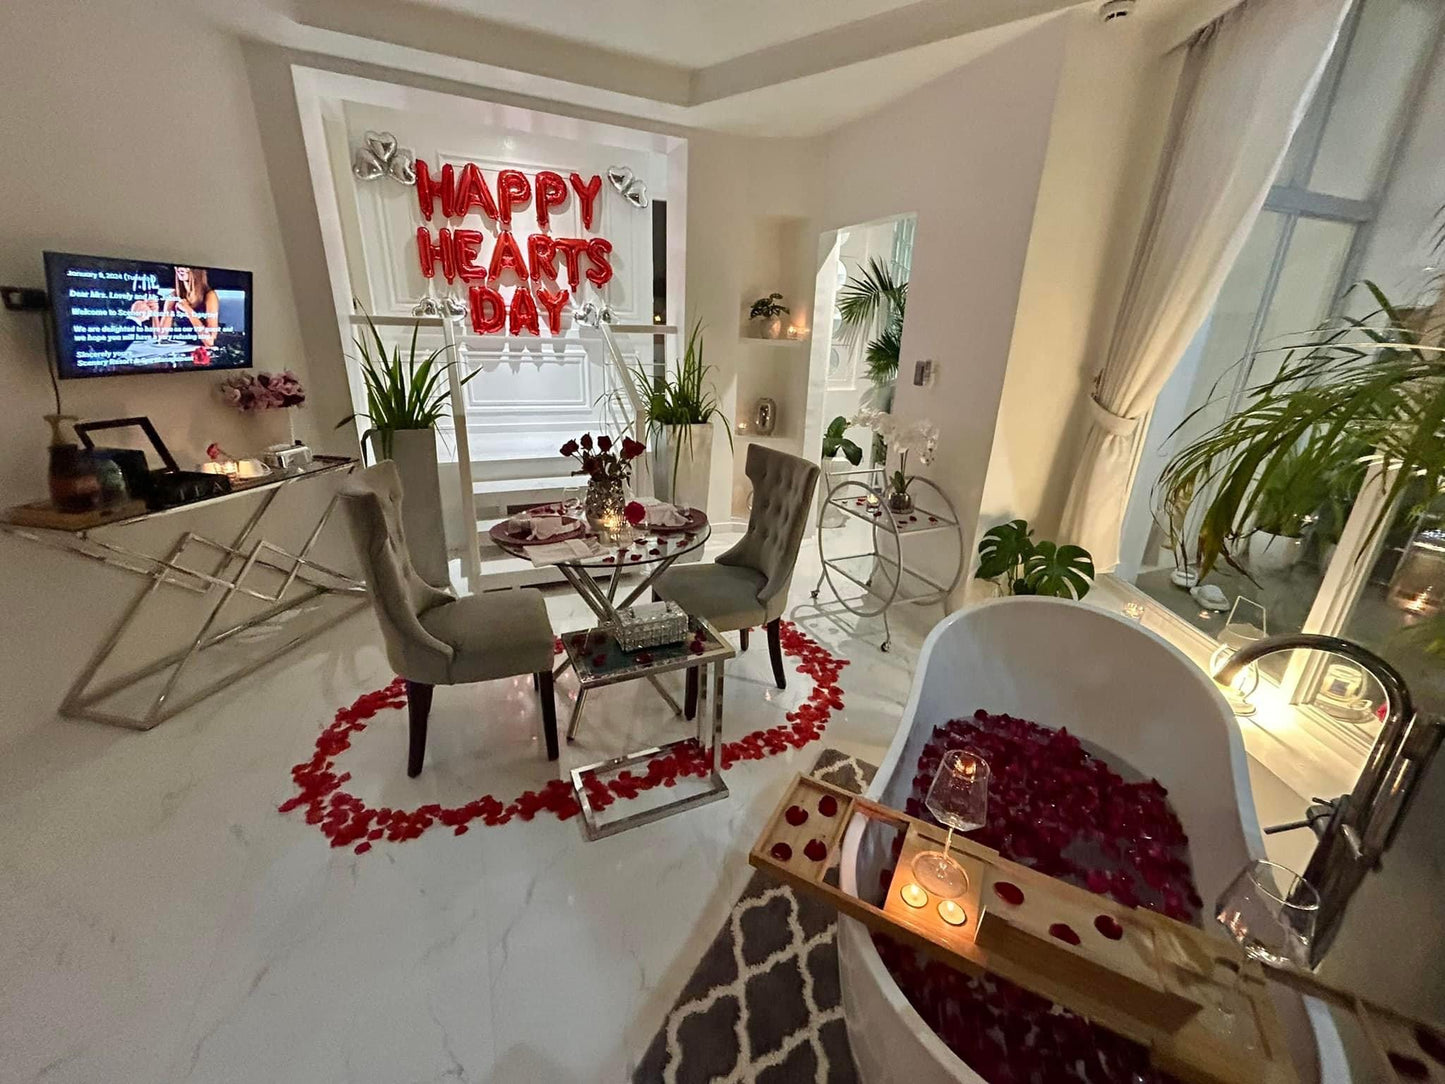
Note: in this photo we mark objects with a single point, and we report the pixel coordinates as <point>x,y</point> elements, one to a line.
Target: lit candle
<point>952,913</point>
<point>913,895</point>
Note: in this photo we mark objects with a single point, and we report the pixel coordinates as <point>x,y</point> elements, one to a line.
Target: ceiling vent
<point>1114,10</point>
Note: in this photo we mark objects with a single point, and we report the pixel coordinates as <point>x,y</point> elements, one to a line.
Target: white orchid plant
<point>918,438</point>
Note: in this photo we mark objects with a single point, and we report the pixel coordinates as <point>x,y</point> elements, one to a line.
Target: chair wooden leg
<point>418,707</point>
<point>743,638</point>
<point>775,651</point>
<point>689,699</point>
<point>549,711</point>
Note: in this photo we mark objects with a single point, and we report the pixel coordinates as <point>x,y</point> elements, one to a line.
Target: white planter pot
<point>1273,552</point>
<point>832,516</point>
<point>414,451</point>
<point>683,465</point>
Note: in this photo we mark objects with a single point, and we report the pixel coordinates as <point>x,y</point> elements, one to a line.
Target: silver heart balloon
<point>620,176</point>
<point>402,166</point>
<point>456,308</point>
<point>366,165</point>
<point>382,144</point>
<point>636,194</point>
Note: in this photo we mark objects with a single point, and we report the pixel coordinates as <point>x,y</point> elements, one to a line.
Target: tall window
<point>1315,236</point>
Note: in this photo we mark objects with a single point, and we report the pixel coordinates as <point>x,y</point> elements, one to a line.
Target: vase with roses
<point>608,468</point>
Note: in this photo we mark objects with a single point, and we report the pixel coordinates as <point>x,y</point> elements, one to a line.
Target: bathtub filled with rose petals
<point>1116,766</point>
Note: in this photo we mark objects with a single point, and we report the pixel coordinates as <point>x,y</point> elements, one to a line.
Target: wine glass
<point>958,798</point>
<point>1270,912</point>
<point>572,502</point>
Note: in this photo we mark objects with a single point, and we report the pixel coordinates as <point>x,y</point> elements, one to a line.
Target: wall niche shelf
<point>774,342</point>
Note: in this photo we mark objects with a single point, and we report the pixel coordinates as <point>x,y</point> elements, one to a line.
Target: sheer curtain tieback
<point>1116,425</point>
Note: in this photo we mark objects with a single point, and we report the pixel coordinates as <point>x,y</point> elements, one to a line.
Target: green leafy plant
<point>684,398</point>
<point>834,442</point>
<point>402,392</point>
<point>876,299</point>
<point>1009,556</point>
<point>1355,393</point>
<point>765,308</point>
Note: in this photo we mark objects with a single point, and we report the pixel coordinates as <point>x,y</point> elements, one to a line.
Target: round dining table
<point>649,550</point>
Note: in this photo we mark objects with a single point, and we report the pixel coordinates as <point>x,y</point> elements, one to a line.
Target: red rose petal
<point>1064,932</point>
<point>599,660</point>
<point>1109,927</point>
<point>781,851</point>
<point>795,815</point>
<point>816,850</point>
<point>828,805</point>
<point>1008,892</point>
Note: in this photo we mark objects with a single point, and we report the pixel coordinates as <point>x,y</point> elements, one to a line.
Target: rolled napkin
<point>662,514</point>
<point>541,527</point>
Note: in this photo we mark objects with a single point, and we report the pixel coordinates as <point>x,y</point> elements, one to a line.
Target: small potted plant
<point>919,437</point>
<point>766,316</point>
<point>835,442</point>
<point>1017,565</point>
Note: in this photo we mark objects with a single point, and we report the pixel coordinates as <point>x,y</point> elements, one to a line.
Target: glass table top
<point>599,659</point>
<point>637,546</point>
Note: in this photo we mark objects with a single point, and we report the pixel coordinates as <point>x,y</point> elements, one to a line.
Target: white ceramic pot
<point>1126,691</point>
<point>414,451</point>
<point>832,516</point>
<point>767,327</point>
<point>683,465</point>
<point>1273,552</point>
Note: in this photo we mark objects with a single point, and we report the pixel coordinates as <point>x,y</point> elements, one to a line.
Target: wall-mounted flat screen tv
<point>112,317</point>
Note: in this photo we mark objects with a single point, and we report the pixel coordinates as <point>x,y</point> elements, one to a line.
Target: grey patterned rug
<point>763,1004</point>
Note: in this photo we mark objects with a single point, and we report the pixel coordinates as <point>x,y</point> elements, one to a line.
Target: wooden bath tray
<point>1146,977</point>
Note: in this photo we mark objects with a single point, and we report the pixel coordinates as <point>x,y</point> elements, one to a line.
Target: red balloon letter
<point>543,255</point>
<point>465,246</point>
<point>512,190</point>
<point>524,312</point>
<point>507,253</point>
<point>489,311</point>
<point>571,248</point>
<point>472,191</point>
<point>587,196</point>
<point>551,192</point>
<point>600,272</point>
<point>427,189</point>
<point>553,304</point>
<point>428,252</point>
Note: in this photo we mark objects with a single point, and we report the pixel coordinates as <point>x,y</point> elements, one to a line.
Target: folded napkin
<point>662,514</point>
<point>552,553</point>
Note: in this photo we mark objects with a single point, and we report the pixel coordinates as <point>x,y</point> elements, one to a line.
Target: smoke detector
<point>1113,10</point>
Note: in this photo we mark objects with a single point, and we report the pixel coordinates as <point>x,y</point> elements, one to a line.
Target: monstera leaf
<point>1060,571</point>
<point>1003,549</point>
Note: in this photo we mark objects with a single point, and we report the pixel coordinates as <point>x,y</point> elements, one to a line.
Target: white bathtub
<point>1119,688</point>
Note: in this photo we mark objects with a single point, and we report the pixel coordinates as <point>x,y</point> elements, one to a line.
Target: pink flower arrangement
<point>254,392</point>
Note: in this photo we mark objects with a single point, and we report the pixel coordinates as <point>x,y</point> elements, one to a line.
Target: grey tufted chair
<point>748,585</point>
<point>431,637</point>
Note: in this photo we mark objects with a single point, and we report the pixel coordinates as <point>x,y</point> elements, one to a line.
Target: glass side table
<point>598,660</point>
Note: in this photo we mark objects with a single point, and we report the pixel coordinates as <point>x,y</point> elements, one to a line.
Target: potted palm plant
<point>678,412</point>
<point>872,303</point>
<point>406,395</point>
<point>1358,398</point>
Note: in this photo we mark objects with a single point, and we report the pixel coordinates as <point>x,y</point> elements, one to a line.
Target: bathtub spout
<point>1360,826</point>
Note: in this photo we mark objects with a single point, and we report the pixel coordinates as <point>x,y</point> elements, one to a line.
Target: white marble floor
<point>161,921</point>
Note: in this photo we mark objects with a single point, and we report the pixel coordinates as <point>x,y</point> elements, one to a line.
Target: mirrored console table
<point>222,570</point>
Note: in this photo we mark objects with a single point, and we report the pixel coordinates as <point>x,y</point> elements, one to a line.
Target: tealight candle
<point>913,895</point>
<point>952,913</point>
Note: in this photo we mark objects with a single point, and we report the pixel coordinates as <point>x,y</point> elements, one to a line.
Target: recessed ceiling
<point>690,33</point>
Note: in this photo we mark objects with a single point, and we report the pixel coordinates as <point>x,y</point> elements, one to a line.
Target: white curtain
<point>1248,79</point>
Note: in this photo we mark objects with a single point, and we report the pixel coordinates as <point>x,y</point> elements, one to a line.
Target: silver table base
<point>707,737</point>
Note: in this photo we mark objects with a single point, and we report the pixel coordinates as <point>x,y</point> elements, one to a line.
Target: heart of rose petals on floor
<point>348,821</point>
